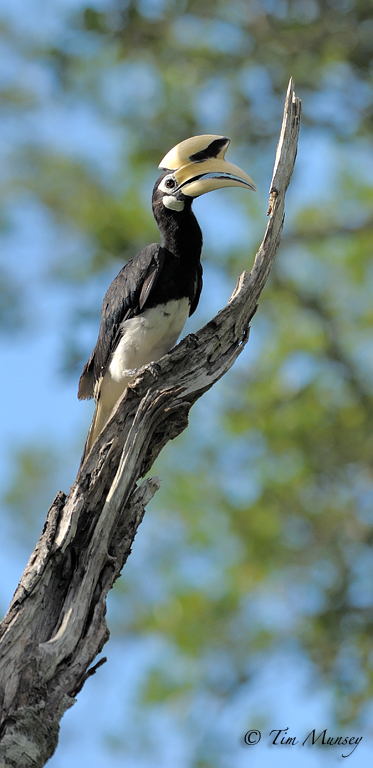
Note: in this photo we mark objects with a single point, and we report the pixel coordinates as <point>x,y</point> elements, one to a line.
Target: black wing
<point>125,298</point>
<point>198,289</point>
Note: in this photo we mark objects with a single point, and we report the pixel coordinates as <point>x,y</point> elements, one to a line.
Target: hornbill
<point>146,306</point>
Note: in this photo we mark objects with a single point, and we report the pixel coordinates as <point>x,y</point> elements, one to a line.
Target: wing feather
<point>125,298</point>
<point>198,289</point>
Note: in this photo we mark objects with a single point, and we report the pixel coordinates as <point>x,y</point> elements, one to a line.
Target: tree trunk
<point>55,625</point>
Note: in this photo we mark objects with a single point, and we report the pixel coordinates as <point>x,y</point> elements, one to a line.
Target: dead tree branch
<point>55,625</point>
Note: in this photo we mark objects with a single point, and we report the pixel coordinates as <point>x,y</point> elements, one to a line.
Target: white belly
<point>145,339</point>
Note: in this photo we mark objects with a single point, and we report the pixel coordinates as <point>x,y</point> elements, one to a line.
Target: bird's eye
<point>168,184</point>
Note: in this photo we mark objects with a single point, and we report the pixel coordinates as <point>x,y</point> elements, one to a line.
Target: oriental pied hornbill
<point>146,306</point>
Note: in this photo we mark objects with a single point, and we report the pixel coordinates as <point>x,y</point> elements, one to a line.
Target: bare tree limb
<point>55,625</point>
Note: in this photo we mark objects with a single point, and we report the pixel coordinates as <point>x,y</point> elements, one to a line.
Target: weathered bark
<point>55,625</point>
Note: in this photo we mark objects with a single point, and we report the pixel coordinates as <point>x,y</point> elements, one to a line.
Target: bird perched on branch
<point>146,306</point>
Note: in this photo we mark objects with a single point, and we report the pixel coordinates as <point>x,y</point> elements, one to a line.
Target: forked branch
<point>55,625</point>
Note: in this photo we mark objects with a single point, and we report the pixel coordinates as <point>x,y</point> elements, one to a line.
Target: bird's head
<point>194,167</point>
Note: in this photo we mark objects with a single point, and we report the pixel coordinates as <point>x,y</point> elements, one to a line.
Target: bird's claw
<point>192,340</point>
<point>153,368</point>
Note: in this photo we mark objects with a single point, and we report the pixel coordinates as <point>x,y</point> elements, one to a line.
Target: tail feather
<point>99,420</point>
<point>107,393</point>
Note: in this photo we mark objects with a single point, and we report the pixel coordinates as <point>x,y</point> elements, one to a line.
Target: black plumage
<point>156,275</point>
<point>146,306</point>
<point>159,274</point>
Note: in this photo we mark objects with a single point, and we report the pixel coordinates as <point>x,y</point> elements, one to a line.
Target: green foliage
<point>11,316</point>
<point>30,489</point>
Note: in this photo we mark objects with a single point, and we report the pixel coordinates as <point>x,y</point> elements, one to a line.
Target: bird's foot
<point>153,368</point>
<point>141,385</point>
<point>192,340</point>
<point>130,372</point>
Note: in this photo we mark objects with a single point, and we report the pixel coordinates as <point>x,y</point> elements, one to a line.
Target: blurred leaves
<point>11,313</point>
<point>30,490</point>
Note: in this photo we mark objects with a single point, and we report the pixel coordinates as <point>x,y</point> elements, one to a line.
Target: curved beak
<point>199,166</point>
<point>196,179</point>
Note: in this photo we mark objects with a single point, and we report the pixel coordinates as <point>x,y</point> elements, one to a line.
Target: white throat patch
<point>170,202</point>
